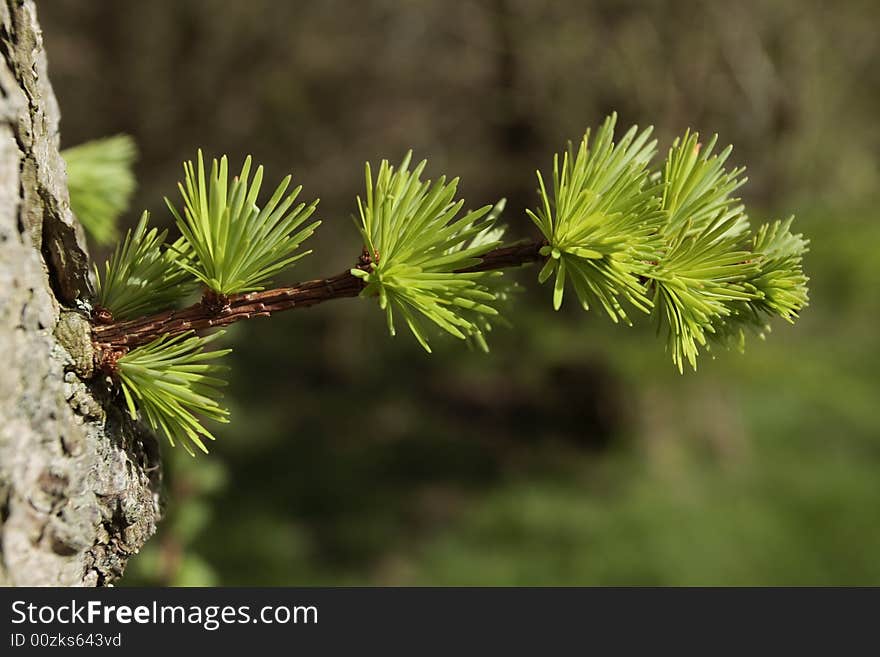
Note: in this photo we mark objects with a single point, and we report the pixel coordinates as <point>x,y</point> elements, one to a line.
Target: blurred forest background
<point>574,453</point>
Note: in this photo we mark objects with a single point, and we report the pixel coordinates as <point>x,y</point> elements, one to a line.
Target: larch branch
<point>113,338</point>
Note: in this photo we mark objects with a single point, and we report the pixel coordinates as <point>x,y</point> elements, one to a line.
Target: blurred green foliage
<point>101,182</point>
<point>573,453</point>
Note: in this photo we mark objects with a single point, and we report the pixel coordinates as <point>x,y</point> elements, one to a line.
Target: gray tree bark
<point>79,482</point>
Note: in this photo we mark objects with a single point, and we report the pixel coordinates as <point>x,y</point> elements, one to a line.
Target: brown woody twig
<point>112,339</point>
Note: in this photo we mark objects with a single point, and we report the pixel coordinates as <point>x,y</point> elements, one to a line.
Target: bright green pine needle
<point>417,242</point>
<point>602,222</point>
<point>171,382</point>
<point>140,277</point>
<point>101,182</point>
<point>236,245</point>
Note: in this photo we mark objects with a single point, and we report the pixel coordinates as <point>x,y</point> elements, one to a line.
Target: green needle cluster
<point>236,245</point>
<point>142,277</point>
<point>602,223</point>
<point>416,242</point>
<point>170,380</point>
<point>675,243</point>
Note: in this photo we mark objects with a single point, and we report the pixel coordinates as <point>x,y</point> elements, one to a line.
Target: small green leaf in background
<point>101,183</point>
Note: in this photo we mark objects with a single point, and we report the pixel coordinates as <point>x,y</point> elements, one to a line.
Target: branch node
<point>215,302</point>
<point>108,358</point>
<point>102,315</point>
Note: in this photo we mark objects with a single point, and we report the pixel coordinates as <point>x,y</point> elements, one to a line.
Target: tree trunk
<point>79,481</point>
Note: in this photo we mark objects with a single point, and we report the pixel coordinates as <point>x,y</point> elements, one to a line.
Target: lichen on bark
<point>79,481</point>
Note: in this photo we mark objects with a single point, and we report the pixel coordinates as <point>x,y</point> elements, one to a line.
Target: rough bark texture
<point>78,481</point>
